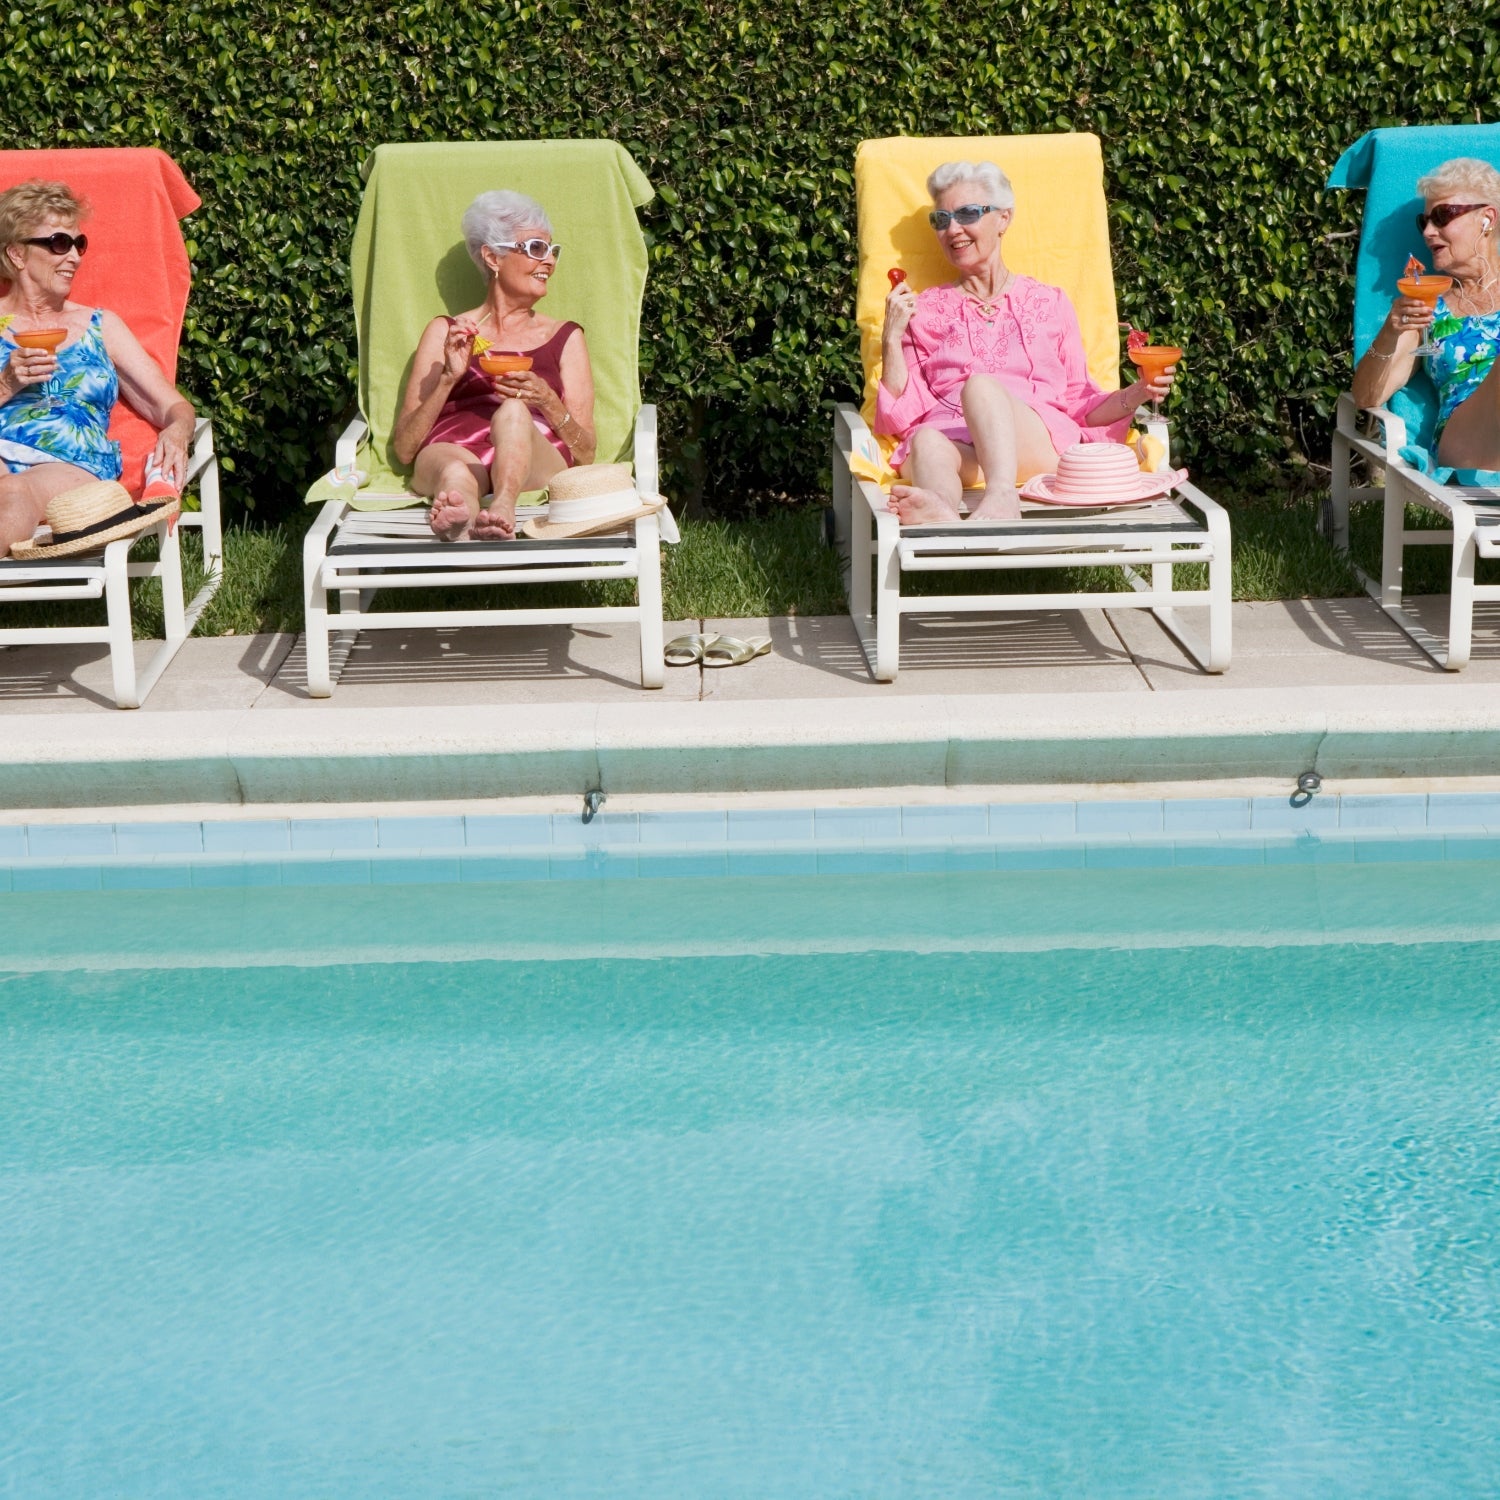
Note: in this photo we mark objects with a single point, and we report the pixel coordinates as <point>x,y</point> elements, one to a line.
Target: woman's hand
<point>1158,388</point>
<point>1410,315</point>
<point>32,366</point>
<point>900,304</point>
<point>458,348</point>
<point>528,386</point>
<point>170,456</point>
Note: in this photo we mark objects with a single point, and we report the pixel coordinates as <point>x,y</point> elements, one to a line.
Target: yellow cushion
<point>1059,233</point>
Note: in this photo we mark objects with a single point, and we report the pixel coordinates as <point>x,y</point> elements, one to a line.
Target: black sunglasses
<point>1445,213</point>
<point>970,213</point>
<point>60,243</point>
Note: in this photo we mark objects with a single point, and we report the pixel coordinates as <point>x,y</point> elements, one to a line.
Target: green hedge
<point>1219,123</point>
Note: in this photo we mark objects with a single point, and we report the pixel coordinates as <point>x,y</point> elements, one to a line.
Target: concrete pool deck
<point>1078,698</point>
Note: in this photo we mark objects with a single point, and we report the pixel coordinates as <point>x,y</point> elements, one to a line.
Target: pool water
<point>1193,1219</point>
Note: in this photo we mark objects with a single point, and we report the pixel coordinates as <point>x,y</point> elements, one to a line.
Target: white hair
<point>994,182</point>
<point>499,216</point>
<point>1464,174</point>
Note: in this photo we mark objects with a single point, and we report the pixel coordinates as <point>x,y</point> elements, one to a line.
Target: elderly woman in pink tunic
<point>984,379</point>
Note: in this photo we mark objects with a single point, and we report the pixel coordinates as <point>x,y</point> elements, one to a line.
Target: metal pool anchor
<point>1309,783</point>
<point>593,800</point>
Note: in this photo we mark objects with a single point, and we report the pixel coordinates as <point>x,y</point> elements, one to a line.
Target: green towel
<point>409,264</point>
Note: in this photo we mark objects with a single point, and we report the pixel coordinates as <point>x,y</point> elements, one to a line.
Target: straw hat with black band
<point>590,499</point>
<point>86,519</point>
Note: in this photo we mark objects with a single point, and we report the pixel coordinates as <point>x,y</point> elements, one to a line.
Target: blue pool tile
<point>1400,810</point>
<point>1471,846</point>
<point>1278,812</point>
<point>683,828</point>
<point>442,870</point>
<point>486,867</point>
<point>1312,849</point>
<point>685,865</point>
<point>167,875</point>
<point>790,860</point>
<point>1022,820</point>
<point>13,841</point>
<point>4,877</point>
<point>1039,856</point>
<point>966,822</point>
<point>762,825</point>
<point>159,838</point>
<point>69,841</point>
<point>256,836</point>
<point>1119,817</point>
<point>338,834</point>
<point>1128,856</point>
<point>844,824</point>
<point>593,864</point>
<point>860,862</point>
<point>954,857</point>
<point>613,829</point>
<point>325,871</point>
<point>522,832</point>
<point>221,874</point>
<point>1463,810</point>
<point>1208,814</point>
<point>421,833</point>
<point>1406,848</point>
<point>1219,852</point>
<point>84,876</point>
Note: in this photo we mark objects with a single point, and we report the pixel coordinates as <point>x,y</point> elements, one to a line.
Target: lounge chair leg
<point>888,597</point>
<point>1392,545</point>
<point>315,600</point>
<point>1343,459</point>
<point>121,632</point>
<point>1461,592</point>
<point>648,594</point>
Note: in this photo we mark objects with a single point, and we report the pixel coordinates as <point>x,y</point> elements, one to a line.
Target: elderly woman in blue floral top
<point>55,405</point>
<point>1461,226</point>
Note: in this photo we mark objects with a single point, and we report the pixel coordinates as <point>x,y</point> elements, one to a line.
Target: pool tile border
<point>1146,834</point>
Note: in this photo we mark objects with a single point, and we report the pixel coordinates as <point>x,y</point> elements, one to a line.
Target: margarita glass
<point>49,339</point>
<point>504,364</point>
<point>1151,359</point>
<point>1427,288</point>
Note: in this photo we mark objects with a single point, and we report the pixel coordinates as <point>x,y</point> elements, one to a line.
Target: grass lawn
<point>774,563</point>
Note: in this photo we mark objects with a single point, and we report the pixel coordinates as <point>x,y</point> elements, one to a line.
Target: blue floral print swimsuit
<point>71,426</point>
<point>1466,354</point>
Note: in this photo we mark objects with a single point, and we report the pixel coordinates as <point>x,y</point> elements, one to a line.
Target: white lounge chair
<point>1387,164</point>
<point>409,266</point>
<point>1061,236</point>
<point>137,196</point>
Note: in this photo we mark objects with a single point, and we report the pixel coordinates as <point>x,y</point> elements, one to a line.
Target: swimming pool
<point>1140,1182</point>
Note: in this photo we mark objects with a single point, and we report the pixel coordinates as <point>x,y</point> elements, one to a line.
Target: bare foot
<point>496,522</point>
<point>450,515</point>
<point>996,505</point>
<point>916,507</point>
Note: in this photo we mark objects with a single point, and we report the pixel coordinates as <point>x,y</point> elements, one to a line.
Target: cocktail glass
<point>44,338</point>
<point>504,364</point>
<point>1425,289</point>
<point>1152,359</point>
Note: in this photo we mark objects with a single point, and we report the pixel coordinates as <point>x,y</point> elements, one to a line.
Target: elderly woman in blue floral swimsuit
<point>54,442</point>
<point>1461,226</point>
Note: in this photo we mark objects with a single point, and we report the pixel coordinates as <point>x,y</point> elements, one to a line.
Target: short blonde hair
<point>29,204</point>
<point>1463,174</point>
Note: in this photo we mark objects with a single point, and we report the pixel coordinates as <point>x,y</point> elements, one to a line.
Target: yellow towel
<point>1059,234</point>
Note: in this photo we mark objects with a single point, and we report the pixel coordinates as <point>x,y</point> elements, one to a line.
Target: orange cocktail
<point>1152,359</point>
<point>1424,288</point>
<point>504,364</point>
<point>41,338</point>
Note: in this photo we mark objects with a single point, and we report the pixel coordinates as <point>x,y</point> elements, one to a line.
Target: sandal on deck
<point>731,651</point>
<point>687,650</point>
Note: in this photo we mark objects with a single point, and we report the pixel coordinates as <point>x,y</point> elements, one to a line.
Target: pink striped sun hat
<point>1100,474</point>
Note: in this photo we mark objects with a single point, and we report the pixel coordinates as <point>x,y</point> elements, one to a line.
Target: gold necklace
<point>987,309</point>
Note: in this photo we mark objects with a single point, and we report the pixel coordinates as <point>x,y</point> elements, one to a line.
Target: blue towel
<point>1387,164</point>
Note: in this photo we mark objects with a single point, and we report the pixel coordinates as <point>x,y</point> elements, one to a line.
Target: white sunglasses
<point>537,249</point>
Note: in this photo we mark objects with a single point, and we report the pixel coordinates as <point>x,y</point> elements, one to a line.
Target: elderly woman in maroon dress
<point>984,378</point>
<point>471,434</point>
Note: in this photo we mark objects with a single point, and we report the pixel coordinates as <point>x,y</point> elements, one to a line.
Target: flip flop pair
<point>714,650</point>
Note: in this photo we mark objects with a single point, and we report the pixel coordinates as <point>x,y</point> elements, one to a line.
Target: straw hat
<point>590,499</point>
<point>1100,474</point>
<point>83,520</point>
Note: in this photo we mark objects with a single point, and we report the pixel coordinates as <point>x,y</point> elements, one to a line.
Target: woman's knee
<point>511,417</point>
<point>929,445</point>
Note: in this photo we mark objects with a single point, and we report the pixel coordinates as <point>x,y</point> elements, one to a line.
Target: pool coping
<point>397,754</point>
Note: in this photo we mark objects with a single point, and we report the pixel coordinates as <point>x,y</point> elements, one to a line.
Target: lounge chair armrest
<point>1392,428</point>
<point>648,471</point>
<point>1393,431</point>
<point>346,450</point>
<point>202,452</point>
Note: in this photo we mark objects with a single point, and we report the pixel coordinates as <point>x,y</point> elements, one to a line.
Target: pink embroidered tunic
<point>1033,347</point>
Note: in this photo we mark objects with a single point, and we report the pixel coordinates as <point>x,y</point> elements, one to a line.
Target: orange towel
<point>136,265</point>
